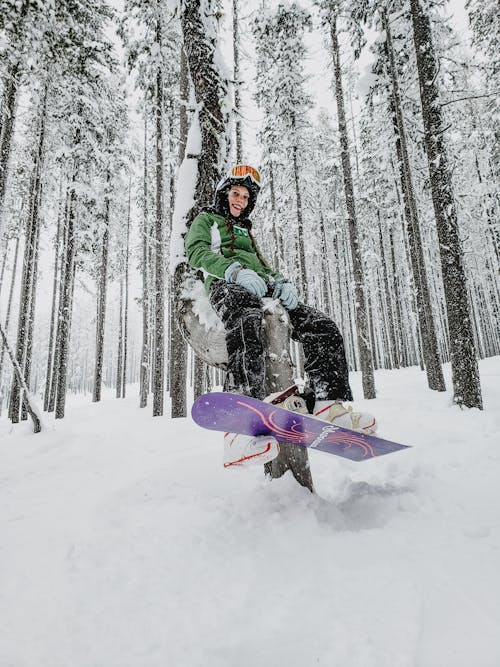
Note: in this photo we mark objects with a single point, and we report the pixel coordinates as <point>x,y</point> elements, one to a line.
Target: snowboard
<point>233,413</point>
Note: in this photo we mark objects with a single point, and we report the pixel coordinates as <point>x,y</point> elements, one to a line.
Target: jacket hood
<point>221,203</point>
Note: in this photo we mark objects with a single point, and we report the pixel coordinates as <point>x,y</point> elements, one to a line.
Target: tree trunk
<point>363,334</point>
<point>4,262</point>
<point>119,354</point>
<point>198,377</point>
<point>8,119</point>
<point>57,253</point>
<point>326,286</point>
<point>28,285</point>
<point>125,314</point>
<point>435,378</point>
<point>7,314</point>
<point>237,100</point>
<point>102,289</point>
<point>145,269</point>
<point>31,323</point>
<point>159,300</point>
<point>300,226</point>
<point>37,427</point>
<point>62,282</point>
<point>178,347</point>
<point>465,371</point>
<point>66,304</point>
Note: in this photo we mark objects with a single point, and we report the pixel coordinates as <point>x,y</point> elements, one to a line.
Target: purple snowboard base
<point>223,411</point>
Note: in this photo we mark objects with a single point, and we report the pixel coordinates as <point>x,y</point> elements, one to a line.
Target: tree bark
<point>237,100</point>
<point>56,278</point>
<point>28,285</point>
<point>363,335</point>
<point>178,347</point>
<point>8,120</point>
<point>465,371</point>
<point>300,225</point>
<point>66,304</point>
<point>144,372</point>
<point>159,277</point>
<point>119,354</point>
<point>125,314</point>
<point>435,378</point>
<point>37,427</point>
<point>102,289</point>
<point>31,322</point>
<point>9,307</point>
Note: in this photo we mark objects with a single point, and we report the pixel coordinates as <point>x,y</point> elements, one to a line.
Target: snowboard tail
<point>227,412</point>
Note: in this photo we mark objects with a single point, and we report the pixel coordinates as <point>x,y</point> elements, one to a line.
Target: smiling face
<point>238,197</point>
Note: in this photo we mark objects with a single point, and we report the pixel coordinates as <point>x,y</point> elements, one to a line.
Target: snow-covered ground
<point>124,543</point>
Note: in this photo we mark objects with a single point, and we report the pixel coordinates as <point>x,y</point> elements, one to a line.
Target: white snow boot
<point>245,450</point>
<point>335,413</point>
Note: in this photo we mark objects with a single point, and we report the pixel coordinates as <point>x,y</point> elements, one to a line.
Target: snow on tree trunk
<point>465,372</point>
<point>178,346</point>
<point>300,226</point>
<point>363,334</point>
<point>7,314</point>
<point>145,271</point>
<point>102,289</point>
<point>55,282</point>
<point>31,322</point>
<point>61,288</point>
<point>27,401</point>
<point>66,305</point>
<point>125,312</point>
<point>119,353</point>
<point>8,118</point>
<point>237,83</point>
<point>28,284</point>
<point>159,232</point>
<point>430,350</point>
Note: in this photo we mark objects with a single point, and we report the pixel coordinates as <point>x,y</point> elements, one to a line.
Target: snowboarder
<point>221,243</point>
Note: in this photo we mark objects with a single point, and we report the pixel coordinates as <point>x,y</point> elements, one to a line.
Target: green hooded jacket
<point>208,247</point>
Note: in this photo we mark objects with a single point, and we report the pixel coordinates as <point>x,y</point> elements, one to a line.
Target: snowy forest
<point>373,125</point>
<point>126,541</point>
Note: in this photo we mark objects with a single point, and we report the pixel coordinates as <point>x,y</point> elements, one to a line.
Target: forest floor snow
<point>124,542</point>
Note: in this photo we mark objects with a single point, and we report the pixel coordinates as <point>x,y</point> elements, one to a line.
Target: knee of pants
<point>229,299</point>
<point>247,322</point>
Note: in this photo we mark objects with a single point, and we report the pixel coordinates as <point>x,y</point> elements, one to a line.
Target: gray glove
<point>247,278</point>
<point>286,293</point>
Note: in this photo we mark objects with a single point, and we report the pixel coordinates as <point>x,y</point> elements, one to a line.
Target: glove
<point>247,278</point>
<point>286,293</point>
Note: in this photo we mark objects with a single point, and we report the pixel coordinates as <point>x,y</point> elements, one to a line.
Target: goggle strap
<point>244,170</point>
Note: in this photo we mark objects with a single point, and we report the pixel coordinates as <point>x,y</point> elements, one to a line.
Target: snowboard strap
<point>279,398</point>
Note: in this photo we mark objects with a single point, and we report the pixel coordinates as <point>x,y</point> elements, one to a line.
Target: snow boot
<point>245,450</point>
<point>335,413</point>
<point>289,399</point>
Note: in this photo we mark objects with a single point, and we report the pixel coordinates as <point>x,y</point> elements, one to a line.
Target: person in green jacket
<point>221,243</point>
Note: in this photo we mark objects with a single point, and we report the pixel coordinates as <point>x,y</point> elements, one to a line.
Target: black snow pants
<point>242,315</point>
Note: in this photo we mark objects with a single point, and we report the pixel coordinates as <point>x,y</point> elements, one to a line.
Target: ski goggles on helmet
<point>243,171</point>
